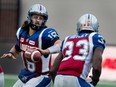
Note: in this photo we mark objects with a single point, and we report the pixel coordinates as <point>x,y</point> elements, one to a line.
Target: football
<point>32,55</point>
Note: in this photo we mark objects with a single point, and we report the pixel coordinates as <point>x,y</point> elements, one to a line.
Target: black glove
<point>94,81</point>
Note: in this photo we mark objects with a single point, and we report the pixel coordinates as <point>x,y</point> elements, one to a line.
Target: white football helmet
<point>40,10</point>
<point>87,22</point>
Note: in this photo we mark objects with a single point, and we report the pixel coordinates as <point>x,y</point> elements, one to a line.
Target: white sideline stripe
<point>7,76</point>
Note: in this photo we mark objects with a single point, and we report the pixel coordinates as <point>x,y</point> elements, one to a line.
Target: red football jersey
<point>1,69</point>
<point>77,53</point>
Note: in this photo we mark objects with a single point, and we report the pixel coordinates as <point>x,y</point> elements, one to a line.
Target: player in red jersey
<point>35,34</point>
<point>79,53</point>
<point>1,77</point>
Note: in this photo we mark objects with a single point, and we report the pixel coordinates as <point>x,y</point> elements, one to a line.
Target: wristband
<point>11,53</point>
<point>54,49</point>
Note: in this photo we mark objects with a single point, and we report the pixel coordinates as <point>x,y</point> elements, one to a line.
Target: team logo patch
<point>22,39</point>
<point>31,42</point>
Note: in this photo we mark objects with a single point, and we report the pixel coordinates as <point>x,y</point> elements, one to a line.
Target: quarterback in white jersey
<point>79,53</point>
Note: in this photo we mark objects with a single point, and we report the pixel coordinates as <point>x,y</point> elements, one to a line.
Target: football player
<point>1,77</point>
<point>35,34</point>
<point>79,53</point>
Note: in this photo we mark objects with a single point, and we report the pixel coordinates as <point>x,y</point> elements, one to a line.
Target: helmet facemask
<point>35,26</point>
<point>37,9</point>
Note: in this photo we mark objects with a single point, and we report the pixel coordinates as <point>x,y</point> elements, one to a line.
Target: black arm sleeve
<point>17,48</point>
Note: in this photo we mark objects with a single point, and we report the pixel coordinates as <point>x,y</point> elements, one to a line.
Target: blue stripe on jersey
<point>46,81</point>
<point>83,83</point>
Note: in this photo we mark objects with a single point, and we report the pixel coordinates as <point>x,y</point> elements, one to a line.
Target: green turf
<point>11,79</point>
<point>106,84</point>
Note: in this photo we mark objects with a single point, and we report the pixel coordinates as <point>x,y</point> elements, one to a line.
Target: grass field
<point>11,79</point>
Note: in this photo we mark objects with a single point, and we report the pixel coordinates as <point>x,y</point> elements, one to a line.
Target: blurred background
<point>63,16</point>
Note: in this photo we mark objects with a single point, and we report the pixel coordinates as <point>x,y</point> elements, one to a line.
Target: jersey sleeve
<point>99,41</point>
<point>17,47</point>
<point>50,36</point>
<point>18,33</point>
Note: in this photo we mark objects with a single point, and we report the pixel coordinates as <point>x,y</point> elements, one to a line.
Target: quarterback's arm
<point>53,49</point>
<point>97,65</point>
<point>15,50</point>
<point>13,53</point>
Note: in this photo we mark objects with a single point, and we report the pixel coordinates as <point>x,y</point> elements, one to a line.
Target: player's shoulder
<point>50,29</point>
<point>96,35</point>
<point>19,31</point>
<point>98,39</point>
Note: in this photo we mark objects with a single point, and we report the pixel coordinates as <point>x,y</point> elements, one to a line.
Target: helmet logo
<point>88,23</point>
<point>83,24</point>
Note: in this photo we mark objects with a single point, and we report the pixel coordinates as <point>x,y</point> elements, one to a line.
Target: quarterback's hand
<point>43,52</point>
<point>8,55</point>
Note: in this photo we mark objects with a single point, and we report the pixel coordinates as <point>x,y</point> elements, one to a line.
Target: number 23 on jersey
<point>76,48</point>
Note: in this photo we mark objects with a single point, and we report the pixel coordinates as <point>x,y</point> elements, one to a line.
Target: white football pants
<point>2,79</point>
<point>70,81</point>
<point>39,81</point>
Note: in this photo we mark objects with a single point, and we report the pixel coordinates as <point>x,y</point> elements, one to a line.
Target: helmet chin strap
<point>36,26</point>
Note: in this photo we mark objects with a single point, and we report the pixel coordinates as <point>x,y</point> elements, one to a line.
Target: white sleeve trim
<point>18,32</point>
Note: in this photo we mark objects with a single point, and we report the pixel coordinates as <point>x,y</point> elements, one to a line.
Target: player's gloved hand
<point>94,81</point>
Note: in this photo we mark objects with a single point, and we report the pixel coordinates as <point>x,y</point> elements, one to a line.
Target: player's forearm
<point>14,51</point>
<point>95,77</point>
<point>55,48</point>
<point>97,65</point>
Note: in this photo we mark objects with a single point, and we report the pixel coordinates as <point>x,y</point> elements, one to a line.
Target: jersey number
<point>31,66</point>
<point>52,35</point>
<point>82,51</point>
